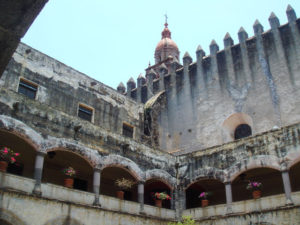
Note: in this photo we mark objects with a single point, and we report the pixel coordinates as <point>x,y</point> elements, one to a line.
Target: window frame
<point>125,124</point>
<point>85,110</point>
<point>28,85</point>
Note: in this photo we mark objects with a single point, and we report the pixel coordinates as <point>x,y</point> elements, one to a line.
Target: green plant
<point>186,220</point>
<point>254,185</point>
<point>205,195</point>
<point>124,183</point>
<point>162,196</point>
<point>70,172</point>
<point>8,155</point>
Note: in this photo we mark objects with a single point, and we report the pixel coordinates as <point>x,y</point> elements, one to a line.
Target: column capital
<point>97,170</point>
<point>41,153</point>
<point>141,182</point>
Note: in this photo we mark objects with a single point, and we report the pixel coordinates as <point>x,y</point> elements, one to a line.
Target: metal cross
<point>166,16</point>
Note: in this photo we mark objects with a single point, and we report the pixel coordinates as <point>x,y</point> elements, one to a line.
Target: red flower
<point>17,154</point>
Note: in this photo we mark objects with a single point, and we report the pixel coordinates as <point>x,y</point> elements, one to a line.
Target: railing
<point>56,192</point>
<point>248,206</point>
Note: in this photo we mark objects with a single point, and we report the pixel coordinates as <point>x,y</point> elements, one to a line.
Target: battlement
<point>232,65</point>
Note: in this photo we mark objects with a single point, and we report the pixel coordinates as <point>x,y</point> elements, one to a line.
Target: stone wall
<point>255,82</point>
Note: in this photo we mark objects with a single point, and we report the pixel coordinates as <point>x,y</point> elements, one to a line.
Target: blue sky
<point>114,40</point>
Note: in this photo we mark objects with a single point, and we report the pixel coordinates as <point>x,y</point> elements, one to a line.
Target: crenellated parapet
<point>231,66</point>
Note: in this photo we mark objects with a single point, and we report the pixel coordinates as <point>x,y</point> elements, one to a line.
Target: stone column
<point>96,185</point>
<point>172,199</point>
<point>287,186</point>
<point>228,197</point>
<point>38,171</point>
<point>141,195</point>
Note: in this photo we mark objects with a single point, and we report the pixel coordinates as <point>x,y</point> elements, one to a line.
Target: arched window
<point>243,130</point>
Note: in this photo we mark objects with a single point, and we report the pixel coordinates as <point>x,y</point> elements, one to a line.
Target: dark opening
<point>243,130</point>
<point>85,113</point>
<point>80,184</point>
<point>27,88</point>
<point>127,130</point>
<point>15,168</point>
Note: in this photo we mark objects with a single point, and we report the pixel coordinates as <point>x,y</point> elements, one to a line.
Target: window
<point>27,88</point>
<point>127,130</point>
<point>243,130</point>
<point>85,112</point>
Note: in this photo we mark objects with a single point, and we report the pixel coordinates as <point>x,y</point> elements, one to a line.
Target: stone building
<point>211,125</point>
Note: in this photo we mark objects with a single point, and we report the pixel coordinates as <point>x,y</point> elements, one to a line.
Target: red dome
<point>167,43</point>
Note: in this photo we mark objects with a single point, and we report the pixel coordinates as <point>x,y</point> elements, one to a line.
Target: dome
<point>166,46</point>
<point>166,43</point>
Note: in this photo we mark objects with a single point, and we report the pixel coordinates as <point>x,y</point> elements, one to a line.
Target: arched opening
<point>215,188</point>
<point>236,126</point>
<point>294,177</point>
<point>24,165</point>
<point>153,186</point>
<point>242,131</point>
<point>270,178</point>
<point>56,161</point>
<point>108,186</point>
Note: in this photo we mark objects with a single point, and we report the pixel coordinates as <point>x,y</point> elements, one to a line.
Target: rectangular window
<point>27,88</point>
<point>127,130</point>
<point>85,113</point>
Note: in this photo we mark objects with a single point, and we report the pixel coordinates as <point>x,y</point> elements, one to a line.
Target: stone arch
<point>162,176</point>
<point>21,130</point>
<point>10,217</point>
<point>261,161</point>
<point>125,163</point>
<point>232,122</point>
<point>87,154</point>
<point>64,220</point>
<point>292,158</point>
<point>207,173</point>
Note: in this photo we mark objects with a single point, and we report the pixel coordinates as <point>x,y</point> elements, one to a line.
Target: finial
<point>166,20</point>
<point>200,52</point>
<point>243,36</point>
<point>213,47</point>
<point>121,88</point>
<point>187,59</point>
<point>258,28</point>
<point>291,15</point>
<point>149,64</point>
<point>228,40</point>
<point>274,21</point>
<point>131,80</point>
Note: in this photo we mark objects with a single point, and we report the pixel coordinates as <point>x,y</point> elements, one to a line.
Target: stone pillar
<point>228,197</point>
<point>38,171</point>
<point>172,199</point>
<point>141,195</point>
<point>287,186</point>
<point>96,185</point>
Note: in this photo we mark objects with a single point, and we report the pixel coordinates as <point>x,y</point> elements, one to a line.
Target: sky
<point>114,40</point>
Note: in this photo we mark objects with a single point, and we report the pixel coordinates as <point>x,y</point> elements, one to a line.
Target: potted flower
<point>203,196</point>
<point>159,197</point>
<point>70,173</point>
<point>255,187</point>
<point>123,184</point>
<point>7,156</point>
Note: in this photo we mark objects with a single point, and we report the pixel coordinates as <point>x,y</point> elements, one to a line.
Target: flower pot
<point>120,195</point>
<point>256,194</point>
<point>158,203</point>
<point>204,202</point>
<point>68,182</point>
<point>3,166</point>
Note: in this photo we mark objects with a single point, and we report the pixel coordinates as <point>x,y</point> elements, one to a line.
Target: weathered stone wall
<point>278,149</point>
<point>258,78</point>
<point>21,209</point>
<point>63,88</point>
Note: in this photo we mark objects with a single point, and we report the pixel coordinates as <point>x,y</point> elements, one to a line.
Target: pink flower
<point>202,194</point>
<point>12,159</point>
<point>17,154</point>
<point>5,151</point>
